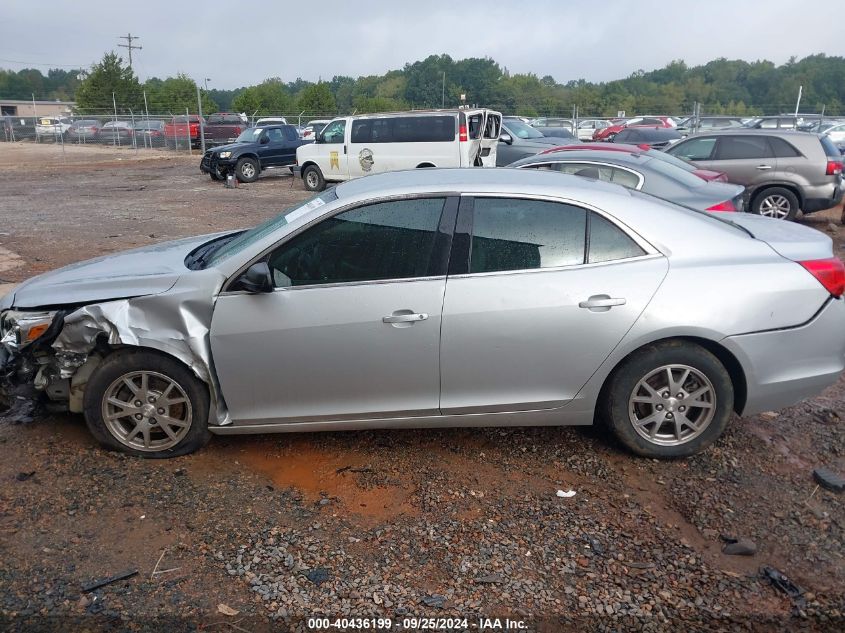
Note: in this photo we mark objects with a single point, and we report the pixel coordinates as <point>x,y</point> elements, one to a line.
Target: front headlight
<point>19,329</point>
<point>225,154</point>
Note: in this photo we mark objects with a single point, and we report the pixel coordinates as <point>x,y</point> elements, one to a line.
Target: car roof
<point>479,180</point>
<point>638,158</point>
<point>739,131</point>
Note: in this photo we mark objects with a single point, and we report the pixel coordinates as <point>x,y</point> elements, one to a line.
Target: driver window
<point>387,240</point>
<point>334,132</point>
<point>275,135</point>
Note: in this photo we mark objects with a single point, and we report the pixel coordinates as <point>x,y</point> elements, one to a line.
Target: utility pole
<point>129,37</point>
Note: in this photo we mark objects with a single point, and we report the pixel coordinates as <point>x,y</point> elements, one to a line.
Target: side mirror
<point>264,140</point>
<point>256,279</point>
<point>318,138</point>
<point>506,138</point>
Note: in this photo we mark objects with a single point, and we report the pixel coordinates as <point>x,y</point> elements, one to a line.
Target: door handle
<point>405,318</point>
<point>764,166</point>
<point>602,303</point>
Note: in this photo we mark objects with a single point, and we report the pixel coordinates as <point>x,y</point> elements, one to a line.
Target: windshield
<point>247,238</point>
<point>250,135</point>
<point>683,176</point>
<point>522,130</point>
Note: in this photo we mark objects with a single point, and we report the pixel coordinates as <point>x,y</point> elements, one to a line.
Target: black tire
<point>313,179</point>
<point>247,170</point>
<point>771,201</point>
<point>126,361</point>
<point>616,413</point>
<point>216,176</point>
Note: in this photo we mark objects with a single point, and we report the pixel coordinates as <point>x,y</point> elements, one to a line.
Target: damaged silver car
<point>435,298</point>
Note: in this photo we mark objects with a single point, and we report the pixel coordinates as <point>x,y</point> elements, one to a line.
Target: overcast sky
<point>241,43</point>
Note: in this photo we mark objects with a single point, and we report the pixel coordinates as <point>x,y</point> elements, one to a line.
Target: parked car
<point>271,120</point>
<point>353,146</point>
<point>708,123</point>
<point>556,301</point>
<point>588,127</point>
<point>519,140</point>
<point>117,133</point>
<point>51,128</point>
<point>835,133</point>
<point>607,133</point>
<point>84,130</point>
<point>782,170</point>
<point>182,130</point>
<point>224,127</point>
<point>655,137</point>
<point>150,133</point>
<point>256,150</point>
<point>312,128</point>
<point>644,173</point>
<point>549,122</point>
<point>704,174</point>
<point>18,128</point>
<point>774,122</point>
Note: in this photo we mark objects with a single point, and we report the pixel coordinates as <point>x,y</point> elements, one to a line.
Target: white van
<point>354,146</point>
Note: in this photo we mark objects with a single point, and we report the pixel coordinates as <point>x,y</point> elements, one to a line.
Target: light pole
<point>207,79</point>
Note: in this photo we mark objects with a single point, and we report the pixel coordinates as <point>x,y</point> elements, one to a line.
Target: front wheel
<point>313,179</point>
<point>247,170</point>
<point>668,400</point>
<point>146,404</point>
<point>777,203</point>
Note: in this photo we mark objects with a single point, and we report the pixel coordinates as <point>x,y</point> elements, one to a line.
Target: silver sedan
<point>434,298</point>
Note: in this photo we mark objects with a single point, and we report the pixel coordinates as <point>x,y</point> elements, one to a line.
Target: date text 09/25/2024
<point>417,624</point>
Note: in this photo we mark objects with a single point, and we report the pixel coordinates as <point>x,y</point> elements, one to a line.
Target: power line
<point>17,61</point>
<point>129,37</point>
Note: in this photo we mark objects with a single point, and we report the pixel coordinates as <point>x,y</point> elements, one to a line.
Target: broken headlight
<point>19,329</point>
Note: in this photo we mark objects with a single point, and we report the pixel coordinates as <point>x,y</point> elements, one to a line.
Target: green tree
<point>110,77</point>
<point>268,97</point>
<point>175,95</point>
<point>317,99</point>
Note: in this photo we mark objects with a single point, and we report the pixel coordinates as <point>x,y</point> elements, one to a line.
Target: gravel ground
<point>399,524</point>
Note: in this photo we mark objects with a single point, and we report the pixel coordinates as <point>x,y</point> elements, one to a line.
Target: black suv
<point>255,150</point>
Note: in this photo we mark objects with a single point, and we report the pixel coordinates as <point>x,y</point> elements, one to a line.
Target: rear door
<point>490,138</point>
<point>530,310</point>
<point>747,159</point>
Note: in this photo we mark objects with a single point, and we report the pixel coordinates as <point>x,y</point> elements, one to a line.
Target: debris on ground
<point>829,479</point>
<point>781,582</point>
<point>434,600</point>
<point>225,609</point>
<point>566,494</point>
<point>318,576</point>
<point>738,546</point>
<point>102,582</point>
<point>23,476</point>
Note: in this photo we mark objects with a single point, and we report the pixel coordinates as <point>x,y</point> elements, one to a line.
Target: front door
<point>272,153</point>
<point>352,330</point>
<point>333,158</point>
<point>531,311</point>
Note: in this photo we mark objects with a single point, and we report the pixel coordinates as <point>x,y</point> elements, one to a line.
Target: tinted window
<point>740,147</point>
<point>648,121</point>
<point>511,234</point>
<point>694,149</point>
<point>290,133</point>
<point>608,242</point>
<point>782,148</point>
<point>388,240</point>
<point>275,135</point>
<point>412,129</point>
<point>686,178</point>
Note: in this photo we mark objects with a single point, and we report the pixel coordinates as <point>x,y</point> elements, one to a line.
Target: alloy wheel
<point>775,206</point>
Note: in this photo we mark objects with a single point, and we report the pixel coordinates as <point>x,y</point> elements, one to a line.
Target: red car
<point>609,132</point>
<point>704,174</point>
<point>180,129</point>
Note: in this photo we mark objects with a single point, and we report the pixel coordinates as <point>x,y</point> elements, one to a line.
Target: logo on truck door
<point>334,161</point>
<point>365,157</point>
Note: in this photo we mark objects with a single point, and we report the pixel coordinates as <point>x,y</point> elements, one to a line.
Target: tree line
<point>721,86</point>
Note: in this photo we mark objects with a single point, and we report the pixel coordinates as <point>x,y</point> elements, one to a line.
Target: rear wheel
<point>668,400</point>
<point>777,203</point>
<point>247,170</point>
<point>146,404</point>
<point>313,179</point>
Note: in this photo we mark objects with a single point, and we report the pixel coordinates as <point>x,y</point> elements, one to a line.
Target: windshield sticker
<point>305,208</point>
<point>334,162</point>
<point>365,157</point>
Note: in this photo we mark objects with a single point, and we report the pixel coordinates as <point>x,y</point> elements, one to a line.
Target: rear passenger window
<point>608,242</point>
<point>739,147</point>
<point>290,134</point>
<point>513,234</point>
<point>783,149</point>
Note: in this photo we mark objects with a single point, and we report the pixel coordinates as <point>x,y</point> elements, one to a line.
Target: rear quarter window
<point>783,148</point>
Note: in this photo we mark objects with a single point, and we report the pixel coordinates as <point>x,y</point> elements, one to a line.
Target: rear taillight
<point>727,205</point>
<point>462,133</point>
<point>834,167</point>
<point>830,273</point>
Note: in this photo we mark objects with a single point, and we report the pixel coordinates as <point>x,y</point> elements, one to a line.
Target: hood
<point>229,147</point>
<point>141,271</point>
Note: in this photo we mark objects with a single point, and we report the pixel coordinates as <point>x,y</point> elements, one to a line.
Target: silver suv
<point>782,170</point>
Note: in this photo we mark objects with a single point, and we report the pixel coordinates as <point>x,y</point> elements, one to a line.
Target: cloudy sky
<point>241,43</point>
